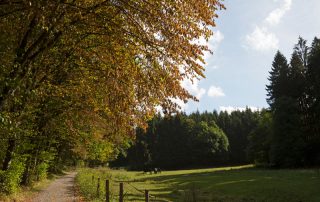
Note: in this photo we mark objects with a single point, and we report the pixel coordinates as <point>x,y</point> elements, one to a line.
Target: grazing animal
<point>151,170</point>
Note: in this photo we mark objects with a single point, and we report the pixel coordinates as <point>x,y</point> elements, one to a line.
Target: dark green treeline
<point>195,140</point>
<point>287,134</point>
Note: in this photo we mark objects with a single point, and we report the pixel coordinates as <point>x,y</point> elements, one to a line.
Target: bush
<point>41,171</point>
<point>11,178</point>
<point>2,177</point>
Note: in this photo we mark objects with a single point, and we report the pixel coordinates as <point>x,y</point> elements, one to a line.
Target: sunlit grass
<point>242,183</point>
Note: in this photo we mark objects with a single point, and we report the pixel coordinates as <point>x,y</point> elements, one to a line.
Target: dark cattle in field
<point>151,170</point>
<point>159,170</point>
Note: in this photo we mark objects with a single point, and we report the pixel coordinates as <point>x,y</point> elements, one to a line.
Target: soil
<point>60,190</point>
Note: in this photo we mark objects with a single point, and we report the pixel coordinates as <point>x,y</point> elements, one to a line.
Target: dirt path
<point>60,190</point>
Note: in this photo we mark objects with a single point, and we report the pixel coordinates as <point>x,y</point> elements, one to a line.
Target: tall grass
<point>87,182</point>
<point>217,184</point>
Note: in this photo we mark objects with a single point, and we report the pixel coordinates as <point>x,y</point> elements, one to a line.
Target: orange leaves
<point>112,61</point>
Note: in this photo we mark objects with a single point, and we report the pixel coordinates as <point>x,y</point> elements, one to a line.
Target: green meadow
<point>242,183</point>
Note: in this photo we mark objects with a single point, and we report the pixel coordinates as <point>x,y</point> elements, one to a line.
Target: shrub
<point>41,171</point>
<point>11,178</point>
<point>2,177</point>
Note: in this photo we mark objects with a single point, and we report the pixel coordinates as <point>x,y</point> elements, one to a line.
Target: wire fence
<point>127,191</point>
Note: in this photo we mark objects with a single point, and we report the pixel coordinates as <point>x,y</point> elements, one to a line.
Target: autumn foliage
<point>77,76</point>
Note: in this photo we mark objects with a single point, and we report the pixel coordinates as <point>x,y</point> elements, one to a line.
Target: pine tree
<point>259,140</point>
<point>278,78</point>
<point>287,142</point>
<point>313,76</point>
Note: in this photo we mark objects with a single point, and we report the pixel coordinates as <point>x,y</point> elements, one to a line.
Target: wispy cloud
<point>230,109</point>
<point>215,91</point>
<point>194,88</point>
<point>213,67</point>
<point>275,16</point>
<point>213,43</point>
<point>181,103</point>
<point>216,38</point>
<point>262,40</point>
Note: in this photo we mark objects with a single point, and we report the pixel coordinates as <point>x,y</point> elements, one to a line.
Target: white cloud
<point>183,106</point>
<point>212,43</point>
<point>181,103</point>
<point>213,67</point>
<point>262,40</point>
<point>217,37</point>
<point>215,91</point>
<point>275,16</point>
<point>193,88</point>
<point>230,109</point>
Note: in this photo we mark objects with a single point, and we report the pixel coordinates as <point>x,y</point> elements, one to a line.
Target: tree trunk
<point>26,177</point>
<point>9,152</point>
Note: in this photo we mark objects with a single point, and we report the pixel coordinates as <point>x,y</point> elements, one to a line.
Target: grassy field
<point>243,183</point>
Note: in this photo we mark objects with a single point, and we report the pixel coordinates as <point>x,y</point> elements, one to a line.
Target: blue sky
<point>245,40</point>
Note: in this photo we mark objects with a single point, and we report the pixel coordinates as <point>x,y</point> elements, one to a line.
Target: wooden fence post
<point>147,195</point>
<point>121,192</point>
<point>107,191</point>
<point>193,193</point>
<point>98,188</point>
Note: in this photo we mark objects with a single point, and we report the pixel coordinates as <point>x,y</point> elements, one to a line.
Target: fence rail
<point>146,193</point>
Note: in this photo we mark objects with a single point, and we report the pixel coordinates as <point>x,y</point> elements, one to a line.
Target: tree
<point>96,48</point>
<point>313,76</point>
<point>178,142</point>
<point>127,47</point>
<point>260,139</point>
<point>287,144</point>
<point>105,64</point>
<point>287,101</point>
<point>237,126</point>
<point>209,144</point>
<point>278,79</point>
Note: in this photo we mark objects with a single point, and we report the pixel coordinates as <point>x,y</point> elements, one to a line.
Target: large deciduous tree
<point>93,70</point>
<point>132,50</point>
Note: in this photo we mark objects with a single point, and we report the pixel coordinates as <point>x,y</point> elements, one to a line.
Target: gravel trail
<point>60,190</point>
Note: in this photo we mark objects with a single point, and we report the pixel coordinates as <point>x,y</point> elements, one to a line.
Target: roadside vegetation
<point>242,183</point>
<point>26,193</point>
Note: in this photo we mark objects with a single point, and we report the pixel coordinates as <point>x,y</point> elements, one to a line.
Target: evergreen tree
<point>278,79</point>
<point>313,76</point>
<point>287,144</point>
<point>259,140</point>
<point>286,97</point>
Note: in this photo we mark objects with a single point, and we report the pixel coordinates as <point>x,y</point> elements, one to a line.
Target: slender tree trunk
<point>26,176</point>
<point>31,162</point>
<point>9,152</point>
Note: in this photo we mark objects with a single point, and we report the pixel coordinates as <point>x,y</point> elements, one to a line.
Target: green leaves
<point>70,81</point>
<point>11,178</point>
